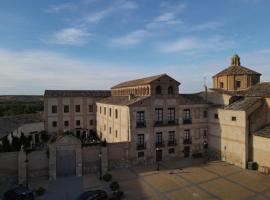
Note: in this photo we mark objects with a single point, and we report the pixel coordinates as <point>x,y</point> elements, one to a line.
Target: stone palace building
<point>153,121</point>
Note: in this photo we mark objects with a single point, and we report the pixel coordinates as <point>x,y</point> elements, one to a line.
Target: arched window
<point>170,90</point>
<point>158,89</point>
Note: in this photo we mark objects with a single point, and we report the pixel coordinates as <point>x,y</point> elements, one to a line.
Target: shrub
<point>107,177</point>
<point>114,186</point>
<point>40,191</point>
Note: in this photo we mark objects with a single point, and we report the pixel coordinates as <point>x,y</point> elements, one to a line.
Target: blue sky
<point>94,44</point>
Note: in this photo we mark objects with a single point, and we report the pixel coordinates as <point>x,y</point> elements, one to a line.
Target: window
<point>187,114</point>
<point>66,108</point>
<point>204,133</point>
<point>140,154</point>
<point>91,122</point>
<point>171,136</point>
<point>110,130</point>
<point>171,114</point>
<point>238,84</point>
<point>100,109</point>
<point>140,139</point>
<point>104,110</point>
<point>159,114</point>
<point>78,108</point>
<point>159,137</point>
<point>205,114</point>
<point>115,133</point>
<point>66,123</point>
<point>78,122</point>
<point>110,112</point>
<point>186,134</point>
<point>90,108</point>
<point>158,89</point>
<point>116,113</point>
<point>216,116</point>
<point>104,127</point>
<point>54,109</point>
<point>170,90</point>
<point>233,118</point>
<point>221,85</point>
<point>171,151</point>
<point>54,124</point>
<point>140,116</point>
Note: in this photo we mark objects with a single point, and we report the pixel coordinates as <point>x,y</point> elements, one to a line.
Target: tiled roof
<point>258,90</point>
<point>10,123</point>
<point>236,70</point>
<point>137,82</point>
<point>189,99</point>
<point>264,132</point>
<point>243,104</point>
<point>77,93</point>
<point>121,100</point>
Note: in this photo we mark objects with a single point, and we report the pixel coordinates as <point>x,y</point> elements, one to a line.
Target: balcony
<point>187,121</point>
<point>159,144</point>
<point>141,124</point>
<point>141,146</point>
<point>187,141</point>
<point>173,122</point>
<point>166,123</point>
<point>158,123</point>
<point>171,143</point>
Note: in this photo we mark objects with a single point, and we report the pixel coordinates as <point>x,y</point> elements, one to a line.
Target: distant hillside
<point>20,104</point>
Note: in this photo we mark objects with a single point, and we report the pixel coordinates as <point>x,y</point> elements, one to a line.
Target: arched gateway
<point>65,157</point>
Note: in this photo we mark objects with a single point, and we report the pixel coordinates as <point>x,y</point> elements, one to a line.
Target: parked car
<point>19,193</point>
<point>93,195</point>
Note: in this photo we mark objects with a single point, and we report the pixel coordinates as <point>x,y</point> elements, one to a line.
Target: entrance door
<point>65,163</point>
<point>159,155</point>
<point>186,151</point>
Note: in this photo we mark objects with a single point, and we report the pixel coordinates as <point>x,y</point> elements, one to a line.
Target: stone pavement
<point>215,180</point>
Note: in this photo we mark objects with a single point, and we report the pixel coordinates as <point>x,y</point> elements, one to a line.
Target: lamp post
<point>26,162</point>
<point>100,163</point>
<point>205,146</point>
<point>157,158</point>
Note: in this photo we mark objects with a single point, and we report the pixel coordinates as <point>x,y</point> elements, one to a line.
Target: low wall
<point>38,164</point>
<point>90,159</point>
<point>261,150</point>
<point>8,170</point>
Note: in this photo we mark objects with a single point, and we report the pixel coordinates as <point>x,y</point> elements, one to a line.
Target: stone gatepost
<point>22,167</point>
<point>52,162</point>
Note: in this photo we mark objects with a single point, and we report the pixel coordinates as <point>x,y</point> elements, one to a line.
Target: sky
<point>95,44</point>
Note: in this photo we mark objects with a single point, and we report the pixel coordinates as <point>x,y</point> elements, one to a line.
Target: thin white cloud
<point>100,15</point>
<point>61,7</point>
<point>192,44</point>
<point>70,36</point>
<point>131,39</point>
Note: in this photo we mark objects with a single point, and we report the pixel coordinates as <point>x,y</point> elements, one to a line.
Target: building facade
<point>152,121</point>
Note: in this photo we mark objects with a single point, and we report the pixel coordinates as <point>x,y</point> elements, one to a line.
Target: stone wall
<point>8,170</point>
<point>38,164</point>
<point>261,150</point>
<point>90,159</point>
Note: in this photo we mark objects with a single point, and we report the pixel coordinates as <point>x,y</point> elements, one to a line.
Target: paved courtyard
<point>216,180</point>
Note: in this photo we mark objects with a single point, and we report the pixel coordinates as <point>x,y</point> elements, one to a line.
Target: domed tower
<point>235,77</point>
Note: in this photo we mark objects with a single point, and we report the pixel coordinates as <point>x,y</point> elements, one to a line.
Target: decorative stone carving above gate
<point>65,142</point>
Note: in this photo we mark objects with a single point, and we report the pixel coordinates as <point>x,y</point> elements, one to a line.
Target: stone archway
<point>65,157</point>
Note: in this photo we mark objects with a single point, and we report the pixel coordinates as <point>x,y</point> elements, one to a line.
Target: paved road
<point>64,188</point>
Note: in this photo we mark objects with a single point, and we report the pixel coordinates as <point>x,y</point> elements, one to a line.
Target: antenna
<point>204,80</point>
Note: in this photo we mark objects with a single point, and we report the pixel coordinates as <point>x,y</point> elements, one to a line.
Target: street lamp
<point>26,162</point>
<point>100,164</point>
<point>205,146</point>
<point>157,157</point>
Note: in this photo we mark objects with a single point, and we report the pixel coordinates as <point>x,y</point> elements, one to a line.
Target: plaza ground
<point>174,181</point>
